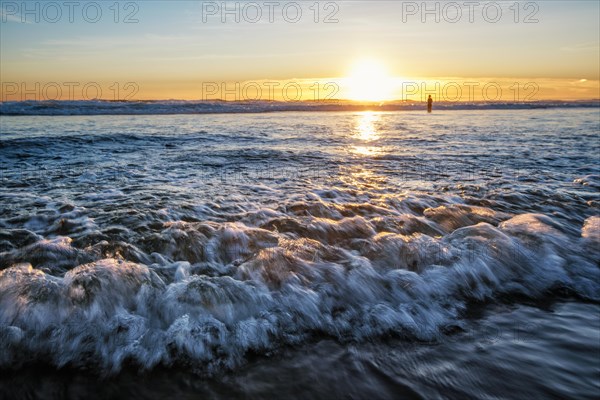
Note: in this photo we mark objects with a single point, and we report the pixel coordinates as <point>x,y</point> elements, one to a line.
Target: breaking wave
<point>204,241</point>
<point>167,107</point>
<point>206,294</point>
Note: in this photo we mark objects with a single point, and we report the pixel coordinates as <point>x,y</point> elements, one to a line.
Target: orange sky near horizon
<point>317,89</point>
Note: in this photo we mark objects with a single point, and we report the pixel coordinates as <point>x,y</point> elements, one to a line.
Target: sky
<point>363,50</point>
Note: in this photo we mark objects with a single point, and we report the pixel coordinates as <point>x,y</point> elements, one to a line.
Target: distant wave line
<point>168,107</point>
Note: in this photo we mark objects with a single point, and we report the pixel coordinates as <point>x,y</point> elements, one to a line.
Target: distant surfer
<point>429,104</point>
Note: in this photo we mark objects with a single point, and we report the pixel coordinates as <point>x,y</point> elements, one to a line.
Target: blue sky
<point>172,46</point>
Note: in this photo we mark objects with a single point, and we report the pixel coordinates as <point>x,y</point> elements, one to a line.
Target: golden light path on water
<point>366,131</point>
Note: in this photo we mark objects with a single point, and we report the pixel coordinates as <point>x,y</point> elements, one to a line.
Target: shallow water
<point>525,351</point>
<point>238,247</point>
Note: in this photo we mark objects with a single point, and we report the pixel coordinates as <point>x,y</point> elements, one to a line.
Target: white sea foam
<point>199,240</point>
<point>167,107</point>
<point>253,290</point>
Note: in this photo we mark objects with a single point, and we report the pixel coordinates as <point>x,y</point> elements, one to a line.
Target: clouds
<point>171,41</point>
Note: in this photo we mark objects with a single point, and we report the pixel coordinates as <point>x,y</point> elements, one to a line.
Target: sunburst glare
<point>369,80</point>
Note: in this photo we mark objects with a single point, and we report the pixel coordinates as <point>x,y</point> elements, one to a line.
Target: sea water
<point>301,254</point>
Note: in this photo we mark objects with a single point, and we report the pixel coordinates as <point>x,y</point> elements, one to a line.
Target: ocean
<point>299,253</point>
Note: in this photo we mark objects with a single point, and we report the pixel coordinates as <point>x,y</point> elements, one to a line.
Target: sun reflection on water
<point>366,126</point>
<point>366,131</point>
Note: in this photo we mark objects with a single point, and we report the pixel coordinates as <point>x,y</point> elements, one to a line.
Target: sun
<point>369,81</point>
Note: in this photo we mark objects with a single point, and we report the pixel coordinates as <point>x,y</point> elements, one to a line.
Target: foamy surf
<point>170,107</point>
<point>219,291</point>
<point>157,248</point>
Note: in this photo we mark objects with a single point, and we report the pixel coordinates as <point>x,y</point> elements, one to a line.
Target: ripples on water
<point>369,250</point>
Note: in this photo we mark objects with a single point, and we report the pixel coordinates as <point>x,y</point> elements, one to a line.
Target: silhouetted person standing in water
<point>429,104</point>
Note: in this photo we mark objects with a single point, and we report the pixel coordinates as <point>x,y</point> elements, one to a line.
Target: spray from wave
<point>209,293</point>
